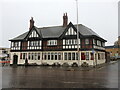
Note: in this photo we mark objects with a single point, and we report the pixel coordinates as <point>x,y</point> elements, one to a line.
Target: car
<point>112,58</point>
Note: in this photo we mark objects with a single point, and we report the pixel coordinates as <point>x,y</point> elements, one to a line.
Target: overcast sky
<point>99,15</point>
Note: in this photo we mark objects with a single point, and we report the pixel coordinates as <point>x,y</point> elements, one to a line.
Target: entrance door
<point>15,59</point>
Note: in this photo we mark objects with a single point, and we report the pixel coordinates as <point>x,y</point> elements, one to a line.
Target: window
<point>48,56</point>
<point>65,56</point>
<point>86,41</point>
<point>75,41</point>
<point>82,56</point>
<point>63,42</point>
<point>38,56</point>
<point>71,31</point>
<point>87,55</point>
<point>34,43</point>
<point>37,43</point>
<point>69,41</point>
<point>94,41</point>
<point>98,56</point>
<point>45,56</point>
<point>52,56</point>
<point>73,56</point>
<point>72,41</point>
<point>55,56</point>
<point>103,44</point>
<point>69,56</point>
<point>52,42</point>
<point>20,55</point>
<point>15,44</point>
<point>31,43</point>
<point>23,55</point>
<point>103,56</point>
<point>98,43</point>
<point>92,56</point>
<point>59,56</point>
<point>29,56</point>
<point>76,56</point>
<point>32,56</point>
<point>35,56</point>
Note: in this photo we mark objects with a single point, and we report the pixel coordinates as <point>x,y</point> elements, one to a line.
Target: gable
<point>33,34</point>
<point>71,31</point>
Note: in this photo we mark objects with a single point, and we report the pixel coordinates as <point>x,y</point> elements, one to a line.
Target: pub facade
<point>57,45</point>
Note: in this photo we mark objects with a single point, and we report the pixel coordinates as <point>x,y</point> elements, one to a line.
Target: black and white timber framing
<point>58,45</point>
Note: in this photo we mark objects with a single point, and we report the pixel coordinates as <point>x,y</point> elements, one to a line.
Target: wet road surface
<point>59,77</point>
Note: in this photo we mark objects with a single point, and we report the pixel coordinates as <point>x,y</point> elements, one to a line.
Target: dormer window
<point>52,42</point>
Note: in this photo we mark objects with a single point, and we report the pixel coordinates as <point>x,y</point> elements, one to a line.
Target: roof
<point>86,31</point>
<point>52,32</point>
<point>57,31</point>
<point>20,37</point>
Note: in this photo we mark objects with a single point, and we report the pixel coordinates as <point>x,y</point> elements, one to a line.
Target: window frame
<point>87,41</point>
<point>51,42</point>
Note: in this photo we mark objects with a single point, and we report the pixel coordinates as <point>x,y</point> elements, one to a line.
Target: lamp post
<point>77,34</point>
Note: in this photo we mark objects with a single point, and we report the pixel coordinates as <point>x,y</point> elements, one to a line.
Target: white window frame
<point>94,41</point>
<point>98,43</point>
<point>51,42</point>
<point>86,41</point>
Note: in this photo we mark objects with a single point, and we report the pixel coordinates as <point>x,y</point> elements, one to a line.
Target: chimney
<point>65,20</point>
<point>31,23</point>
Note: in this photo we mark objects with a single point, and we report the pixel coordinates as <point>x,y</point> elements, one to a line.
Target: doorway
<point>15,60</point>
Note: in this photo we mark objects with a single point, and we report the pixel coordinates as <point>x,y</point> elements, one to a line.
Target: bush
<point>74,65</point>
<point>84,64</point>
<point>65,64</point>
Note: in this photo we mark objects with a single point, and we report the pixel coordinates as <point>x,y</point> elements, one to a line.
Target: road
<point>59,77</point>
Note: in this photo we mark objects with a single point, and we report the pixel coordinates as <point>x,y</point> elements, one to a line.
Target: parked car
<point>114,58</point>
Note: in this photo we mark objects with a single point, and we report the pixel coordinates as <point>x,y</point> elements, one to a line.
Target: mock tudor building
<point>58,45</point>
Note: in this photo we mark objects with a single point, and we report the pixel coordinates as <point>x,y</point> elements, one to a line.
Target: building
<point>4,56</point>
<point>4,53</point>
<point>114,50</point>
<point>58,45</point>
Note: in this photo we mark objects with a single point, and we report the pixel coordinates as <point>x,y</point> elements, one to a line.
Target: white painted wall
<point>50,62</point>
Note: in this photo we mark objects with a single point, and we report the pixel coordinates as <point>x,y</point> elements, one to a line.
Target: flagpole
<point>77,34</point>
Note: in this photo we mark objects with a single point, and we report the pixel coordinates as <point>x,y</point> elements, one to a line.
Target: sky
<point>99,15</point>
